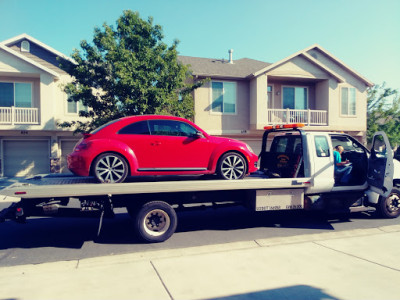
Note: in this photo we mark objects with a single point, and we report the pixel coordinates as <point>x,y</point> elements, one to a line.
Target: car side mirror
<point>198,135</point>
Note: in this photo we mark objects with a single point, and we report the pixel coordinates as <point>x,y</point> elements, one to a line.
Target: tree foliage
<point>128,70</point>
<point>383,110</point>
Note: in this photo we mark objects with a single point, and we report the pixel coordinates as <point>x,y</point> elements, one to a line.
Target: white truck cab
<point>293,152</point>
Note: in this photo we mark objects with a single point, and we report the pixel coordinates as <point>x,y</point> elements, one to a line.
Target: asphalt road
<point>54,239</point>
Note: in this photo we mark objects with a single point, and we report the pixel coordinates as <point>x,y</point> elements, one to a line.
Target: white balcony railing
<point>306,116</point>
<point>19,115</point>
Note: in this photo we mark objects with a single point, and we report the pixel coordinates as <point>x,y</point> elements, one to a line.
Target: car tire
<point>156,221</point>
<point>231,166</point>
<point>110,168</point>
<point>389,207</point>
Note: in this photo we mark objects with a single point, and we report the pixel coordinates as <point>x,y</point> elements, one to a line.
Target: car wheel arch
<point>220,155</point>
<point>131,162</point>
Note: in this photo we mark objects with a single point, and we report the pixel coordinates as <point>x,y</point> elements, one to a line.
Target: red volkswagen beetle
<point>158,145</point>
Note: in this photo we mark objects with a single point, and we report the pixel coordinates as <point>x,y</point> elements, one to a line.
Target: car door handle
<point>155,143</point>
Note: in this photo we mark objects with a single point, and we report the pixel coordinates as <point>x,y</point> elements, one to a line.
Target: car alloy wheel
<point>232,166</point>
<point>110,168</point>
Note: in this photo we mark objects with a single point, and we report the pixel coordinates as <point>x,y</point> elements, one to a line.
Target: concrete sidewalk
<point>356,264</point>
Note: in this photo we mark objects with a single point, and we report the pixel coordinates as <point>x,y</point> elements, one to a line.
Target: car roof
<point>152,117</point>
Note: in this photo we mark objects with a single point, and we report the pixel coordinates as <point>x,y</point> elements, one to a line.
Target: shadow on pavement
<point>297,292</point>
<point>74,232</point>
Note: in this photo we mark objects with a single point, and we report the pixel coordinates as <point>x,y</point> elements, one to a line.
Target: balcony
<point>18,115</point>
<point>307,116</point>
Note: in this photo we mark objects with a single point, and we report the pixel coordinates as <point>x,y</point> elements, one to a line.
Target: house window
<point>223,97</point>
<point>295,97</point>
<point>269,94</point>
<point>18,94</point>
<point>75,107</point>
<point>348,101</point>
<point>25,46</point>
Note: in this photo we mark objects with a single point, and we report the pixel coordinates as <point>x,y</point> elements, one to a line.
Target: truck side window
<point>321,146</point>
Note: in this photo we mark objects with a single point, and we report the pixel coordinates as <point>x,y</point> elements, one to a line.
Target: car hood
<point>220,140</point>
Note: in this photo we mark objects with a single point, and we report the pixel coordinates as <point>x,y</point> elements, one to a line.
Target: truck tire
<point>156,221</point>
<point>389,207</point>
<point>110,168</point>
<point>231,166</point>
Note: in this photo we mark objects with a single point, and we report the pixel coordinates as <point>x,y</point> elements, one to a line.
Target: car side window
<point>135,128</point>
<point>171,128</point>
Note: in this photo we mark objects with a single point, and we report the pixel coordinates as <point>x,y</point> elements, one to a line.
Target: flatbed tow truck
<point>296,172</point>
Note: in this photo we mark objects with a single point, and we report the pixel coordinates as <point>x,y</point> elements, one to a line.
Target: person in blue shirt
<point>342,168</point>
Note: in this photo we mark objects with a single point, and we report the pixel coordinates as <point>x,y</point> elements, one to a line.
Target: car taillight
<point>81,146</point>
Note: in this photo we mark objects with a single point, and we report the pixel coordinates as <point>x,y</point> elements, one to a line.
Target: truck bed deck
<point>73,186</point>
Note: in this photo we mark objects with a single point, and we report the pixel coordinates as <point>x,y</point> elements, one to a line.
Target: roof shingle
<point>210,67</point>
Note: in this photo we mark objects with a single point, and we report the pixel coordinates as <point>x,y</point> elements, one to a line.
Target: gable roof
<point>249,68</point>
<point>28,60</point>
<point>304,53</point>
<point>209,67</point>
<point>46,63</point>
<point>25,36</point>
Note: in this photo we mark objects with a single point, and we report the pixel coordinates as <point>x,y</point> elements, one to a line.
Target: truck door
<point>380,165</point>
<point>320,162</point>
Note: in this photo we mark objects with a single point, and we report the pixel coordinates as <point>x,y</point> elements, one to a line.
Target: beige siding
<point>218,123</point>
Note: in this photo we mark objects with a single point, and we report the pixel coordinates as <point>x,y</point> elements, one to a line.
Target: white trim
<point>211,100</point>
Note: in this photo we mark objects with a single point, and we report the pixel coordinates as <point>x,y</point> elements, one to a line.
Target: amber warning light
<point>284,126</point>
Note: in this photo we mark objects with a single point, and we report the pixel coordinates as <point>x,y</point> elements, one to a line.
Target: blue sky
<point>364,34</point>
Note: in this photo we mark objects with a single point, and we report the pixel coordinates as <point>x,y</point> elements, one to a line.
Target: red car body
<point>156,145</point>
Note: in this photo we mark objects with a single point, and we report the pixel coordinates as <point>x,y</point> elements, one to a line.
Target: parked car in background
<point>158,145</point>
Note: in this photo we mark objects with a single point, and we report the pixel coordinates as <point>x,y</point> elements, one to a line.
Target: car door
<point>380,165</point>
<point>178,147</point>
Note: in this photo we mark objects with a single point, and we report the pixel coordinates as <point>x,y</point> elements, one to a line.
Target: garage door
<point>66,148</point>
<point>26,158</point>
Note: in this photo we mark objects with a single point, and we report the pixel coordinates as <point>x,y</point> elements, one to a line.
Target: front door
<point>178,147</point>
<point>380,166</point>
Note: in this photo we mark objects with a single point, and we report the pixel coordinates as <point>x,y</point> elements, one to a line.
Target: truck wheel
<point>156,221</point>
<point>231,166</point>
<point>110,168</point>
<point>389,207</point>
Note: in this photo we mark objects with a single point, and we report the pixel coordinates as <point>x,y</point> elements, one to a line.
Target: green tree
<point>128,70</point>
<point>383,113</point>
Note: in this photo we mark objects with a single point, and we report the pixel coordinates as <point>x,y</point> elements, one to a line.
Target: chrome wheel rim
<point>233,167</point>
<point>393,203</point>
<point>110,169</point>
<point>156,222</point>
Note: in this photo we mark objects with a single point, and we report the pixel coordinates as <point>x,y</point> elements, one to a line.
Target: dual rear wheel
<point>155,221</point>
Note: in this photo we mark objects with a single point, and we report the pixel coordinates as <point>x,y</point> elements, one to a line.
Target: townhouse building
<point>242,96</point>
